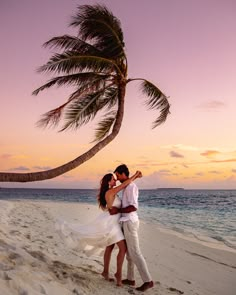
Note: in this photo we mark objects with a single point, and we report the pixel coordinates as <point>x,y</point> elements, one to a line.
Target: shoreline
<point>198,238</point>
<point>34,259</point>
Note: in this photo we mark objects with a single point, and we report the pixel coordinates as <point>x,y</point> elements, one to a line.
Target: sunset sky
<point>186,47</point>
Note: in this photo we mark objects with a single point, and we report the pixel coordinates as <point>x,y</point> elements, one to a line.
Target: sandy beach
<point>34,260</point>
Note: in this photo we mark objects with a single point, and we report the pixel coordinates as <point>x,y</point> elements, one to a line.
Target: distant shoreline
<point>141,189</point>
<point>170,189</point>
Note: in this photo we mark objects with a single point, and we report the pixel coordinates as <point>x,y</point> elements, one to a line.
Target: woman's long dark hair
<point>103,189</point>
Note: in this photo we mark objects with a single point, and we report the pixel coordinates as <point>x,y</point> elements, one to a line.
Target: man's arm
<point>115,210</point>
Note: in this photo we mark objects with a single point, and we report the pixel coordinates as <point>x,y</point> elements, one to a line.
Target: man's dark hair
<point>122,169</point>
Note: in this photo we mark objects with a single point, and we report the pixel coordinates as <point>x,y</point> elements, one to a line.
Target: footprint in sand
<point>175,290</point>
<point>14,232</point>
<point>76,292</point>
<point>5,276</point>
<point>38,255</point>
<point>189,282</point>
<point>23,292</point>
<point>42,290</point>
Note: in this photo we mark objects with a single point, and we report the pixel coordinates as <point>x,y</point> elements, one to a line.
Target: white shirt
<point>130,197</point>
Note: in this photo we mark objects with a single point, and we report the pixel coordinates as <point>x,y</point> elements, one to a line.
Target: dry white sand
<point>34,259</point>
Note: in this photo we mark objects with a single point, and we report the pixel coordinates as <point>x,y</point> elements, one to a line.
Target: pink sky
<point>186,47</point>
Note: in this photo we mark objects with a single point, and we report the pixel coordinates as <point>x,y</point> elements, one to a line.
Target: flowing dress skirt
<point>94,237</point>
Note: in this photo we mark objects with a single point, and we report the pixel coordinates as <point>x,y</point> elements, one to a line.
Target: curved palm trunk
<point>48,174</point>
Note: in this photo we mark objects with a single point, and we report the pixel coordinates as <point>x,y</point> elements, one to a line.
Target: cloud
<point>210,153</point>
<point>16,157</point>
<point>20,157</point>
<point>213,161</point>
<point>141,165</point>
<point>164,172</point>
<point>67,176</point>
<point>215,172</point>
<point>215,183</point>
<point>227,183</point>
<point>142,157</point>
<point>5,156</point>
<point>42,167</point>
<point>174,154</point>
<point>185,166</point>
<point>181,146</point>
<point>212,105</point>
<point>154,180</point>
<point>223,161</point>
<point>199,173</point>
<point>19,168</point>
<point>234,170</point>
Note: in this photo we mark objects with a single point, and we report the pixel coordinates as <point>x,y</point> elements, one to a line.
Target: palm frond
<point>51,118</point>
<point>110,97</point>
<point>87,79</point>
<point>106,42</point>
<point>157,100</point>
<point>70,61</point>
<point>98,24</point>
<point>82,110</point>
<point>86,89</point>
<point>105,125</point>
<point>67,42</point>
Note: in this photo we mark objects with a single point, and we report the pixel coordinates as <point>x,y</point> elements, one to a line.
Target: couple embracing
<point>117,224</point>
<point>125,225</point>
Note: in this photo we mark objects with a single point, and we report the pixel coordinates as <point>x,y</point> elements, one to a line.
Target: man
<point>130,222</point>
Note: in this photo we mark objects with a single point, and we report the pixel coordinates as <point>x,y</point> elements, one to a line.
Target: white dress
<point>94,237</point>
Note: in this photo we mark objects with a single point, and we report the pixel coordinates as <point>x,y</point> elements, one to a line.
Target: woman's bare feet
<point>106,277</point>
<point>118,280</point>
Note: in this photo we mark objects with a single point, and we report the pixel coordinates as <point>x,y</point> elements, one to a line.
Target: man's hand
<point>138,174</point>
<point>128,209</point>
<point>113,210</point>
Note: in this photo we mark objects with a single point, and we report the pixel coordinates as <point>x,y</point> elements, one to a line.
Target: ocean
<point>208,216</point>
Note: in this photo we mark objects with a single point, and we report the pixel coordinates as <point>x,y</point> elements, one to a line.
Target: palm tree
<point>95,63</point>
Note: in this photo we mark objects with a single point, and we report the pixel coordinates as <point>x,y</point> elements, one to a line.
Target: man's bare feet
<point>128,282</point>
<point>145,286</point>
<point>106,277</point>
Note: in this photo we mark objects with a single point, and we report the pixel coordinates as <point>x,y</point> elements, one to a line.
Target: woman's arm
<point>110,194</point>
<point>123,185</point>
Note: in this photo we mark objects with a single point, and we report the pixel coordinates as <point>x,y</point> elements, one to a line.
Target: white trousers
<point>134,255</point>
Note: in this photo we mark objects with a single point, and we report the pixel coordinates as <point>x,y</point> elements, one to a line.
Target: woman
<point>103,232</point>
<point>108,198</point>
